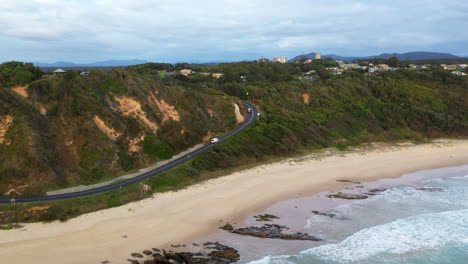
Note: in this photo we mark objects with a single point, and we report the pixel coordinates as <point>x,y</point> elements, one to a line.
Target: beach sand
<point>183,216</point>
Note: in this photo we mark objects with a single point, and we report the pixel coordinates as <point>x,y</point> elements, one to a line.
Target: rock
<point>349,181</point>
<point>271,231</point>
<point>136,255</point>
<point>377,190</point>
<point>156,250</point>
<point>227,227</point>
<point>133,261</point>
<point>348,196</point>
<point>160,260</point>
<point>147,252</point>
<point>331,215</point>
<point>149,262</point>
<point>265,217</point>
<point>430,189</point>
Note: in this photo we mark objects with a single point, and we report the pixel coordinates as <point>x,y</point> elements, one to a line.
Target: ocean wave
<point>404,236</point>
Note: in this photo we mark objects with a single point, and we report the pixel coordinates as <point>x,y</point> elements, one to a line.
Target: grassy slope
<point>341,112</point>
<point>65,147</point>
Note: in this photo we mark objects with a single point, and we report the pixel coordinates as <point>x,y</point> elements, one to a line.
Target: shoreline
<point>197,211</point>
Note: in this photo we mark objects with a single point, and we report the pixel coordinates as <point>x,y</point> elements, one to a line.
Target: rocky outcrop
<point>347,196</point>
<point>269,231</point>
<point>331,215</point>
<point>265,217</point>
<point>209,253</point>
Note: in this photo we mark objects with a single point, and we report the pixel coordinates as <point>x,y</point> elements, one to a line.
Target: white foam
<point>428,231</point>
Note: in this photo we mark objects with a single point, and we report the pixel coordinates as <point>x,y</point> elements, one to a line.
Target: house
<point>462,66</point>
<point>263,60</point>
<point>186,72</point>
<point>383,66</point>
<point>217,75</point>
<point>349,66</point>
<point>308,61</point>
<point>451,67</point>
<point>280,59</point>
<point>59,72</point>
<point>458,73</point>
<point>84,73</point>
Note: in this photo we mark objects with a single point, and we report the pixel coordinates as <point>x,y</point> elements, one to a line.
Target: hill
<point>66,130</point>
<point>420,55</point>
<point>108,63</point>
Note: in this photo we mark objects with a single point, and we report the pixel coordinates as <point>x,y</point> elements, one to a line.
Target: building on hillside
<point>308,61</point>
<point>217,75</point>
<point>263,60</point>
<point>451,67</point>
<point>383,66</point>
<point>207,74</point>
<point>350,66</point>
<point>84,73</point>
<point>59,72</point>
<point>318,56</point>
<point>186,72</point>
<point>462,66</point>
<point>280,59</point>
<point>458,73</point>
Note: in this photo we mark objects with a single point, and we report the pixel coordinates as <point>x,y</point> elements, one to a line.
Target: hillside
<point>68,130</point>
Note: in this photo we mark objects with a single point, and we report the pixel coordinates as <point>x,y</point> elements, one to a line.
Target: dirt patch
<point>21,90</point>
<point>43,110</point>
<point>130,107</point>
<point>239,117</point>
<point>110,132</point>
<point>168,111</point>
<point>134,144</point>
<point>208,137</point>
<point>306,98</point>
<point>38,208</point>
<point>5,123</point>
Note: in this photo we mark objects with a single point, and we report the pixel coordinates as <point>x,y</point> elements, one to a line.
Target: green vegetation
<point>18,73</point>
<point>335,111</point>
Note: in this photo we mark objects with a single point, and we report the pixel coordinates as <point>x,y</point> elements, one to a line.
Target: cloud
<point>209,30</point>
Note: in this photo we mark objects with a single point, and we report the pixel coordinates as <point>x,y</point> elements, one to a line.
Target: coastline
<point>183,216</point>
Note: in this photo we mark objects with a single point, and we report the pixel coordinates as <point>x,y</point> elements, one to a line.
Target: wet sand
<point>184,216</point>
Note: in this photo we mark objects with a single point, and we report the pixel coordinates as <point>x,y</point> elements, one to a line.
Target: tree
<point>393,62</point>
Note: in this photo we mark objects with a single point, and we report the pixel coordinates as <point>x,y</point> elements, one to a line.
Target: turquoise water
<point>424,223</point>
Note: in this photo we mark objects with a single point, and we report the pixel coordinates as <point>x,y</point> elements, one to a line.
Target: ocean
<point>421,218</point>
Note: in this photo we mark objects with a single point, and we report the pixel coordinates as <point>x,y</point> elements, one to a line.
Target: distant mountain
<point>109,63</point>
<point>419,55</point>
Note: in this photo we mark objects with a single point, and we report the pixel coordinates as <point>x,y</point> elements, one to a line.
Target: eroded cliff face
<point>5,123</point>
<point>76,130</point>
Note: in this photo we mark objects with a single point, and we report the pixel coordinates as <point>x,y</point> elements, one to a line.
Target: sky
<point>85,31</point>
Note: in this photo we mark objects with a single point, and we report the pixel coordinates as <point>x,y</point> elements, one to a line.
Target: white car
<point>249,110</point>
<point>214,140</point>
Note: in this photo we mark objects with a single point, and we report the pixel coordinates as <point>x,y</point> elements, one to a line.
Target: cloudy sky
<point>219,30</point>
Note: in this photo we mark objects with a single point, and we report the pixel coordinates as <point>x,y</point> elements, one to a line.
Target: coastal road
<point>247,123</point>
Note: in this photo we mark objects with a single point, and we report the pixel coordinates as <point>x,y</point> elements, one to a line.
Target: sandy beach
<point>183,216</point>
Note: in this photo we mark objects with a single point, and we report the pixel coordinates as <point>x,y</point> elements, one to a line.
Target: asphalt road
<point>250,120</point>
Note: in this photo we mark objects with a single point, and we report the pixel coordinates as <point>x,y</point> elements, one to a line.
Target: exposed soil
<point>239,117</point>
<point>110,132</point>
<point>21,90</point>
<point>5,123</point>
<point>130,107</point>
